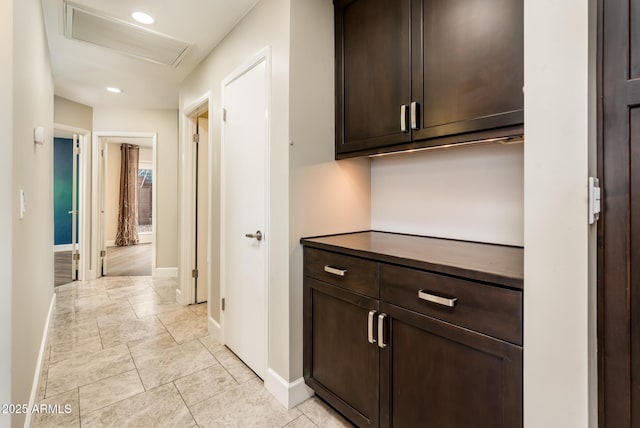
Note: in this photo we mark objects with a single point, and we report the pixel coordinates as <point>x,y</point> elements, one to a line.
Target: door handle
<point>257,235</point>
<point>370,337</point>
<point>381,343</point>
<point>403,118</point>
<point>414,115</point>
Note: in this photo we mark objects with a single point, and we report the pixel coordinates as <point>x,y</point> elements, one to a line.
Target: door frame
<point>186,291</point>
<point>84,202</point>
<point>264,55</point>
<point>98,144</point>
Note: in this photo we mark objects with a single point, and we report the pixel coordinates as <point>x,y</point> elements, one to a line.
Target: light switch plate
<point>38,135</point>
<point>23,207</point>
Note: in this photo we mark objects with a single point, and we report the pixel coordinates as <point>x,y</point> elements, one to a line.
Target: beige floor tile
<point>113,282</point>
<point>149,298</point>
<point>204,384</point>
<point>72,373</point>
<point>172,363</point>
<point>101,307</point>
<point>188,329</point>
<point>108,391</point>
<point>65,414</point>
<point>123,316</point>
<point>130,291</point>
<point>211,344</point>
<point>151,345</point>
<point>122,333</point>
<point>322,415</point>
<point>73,331</point>
<point>153,307</point>
<point>200,309</point>
<point>76,348</point>
<point>240,372</point>
<point>301,422</point>
<point>246,405</point>
<point>159,407</point>
<point>180,314</point>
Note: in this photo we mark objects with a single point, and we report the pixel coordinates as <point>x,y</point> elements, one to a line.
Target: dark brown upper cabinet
<point>422,73</point>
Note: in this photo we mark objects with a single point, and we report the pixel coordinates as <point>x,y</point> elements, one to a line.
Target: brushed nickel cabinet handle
<point>414,115</point>
<point>403,118</point>
<point>444,301</point>
<point>370,337</point>
<point>381,343</point>
<point>335,271</point>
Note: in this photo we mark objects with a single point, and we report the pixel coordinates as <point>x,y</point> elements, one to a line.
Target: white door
<point>202,209</point>
<point>75,254</point>
<point>244,182</point>
<point>102,222</point>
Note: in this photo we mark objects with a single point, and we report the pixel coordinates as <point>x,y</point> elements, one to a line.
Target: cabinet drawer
<point>484,308</point>
<point>355,274</point>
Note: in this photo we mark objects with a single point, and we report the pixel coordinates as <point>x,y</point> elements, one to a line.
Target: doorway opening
<point>126,197</point>
<point>70,171</point>
<point>198,225</point>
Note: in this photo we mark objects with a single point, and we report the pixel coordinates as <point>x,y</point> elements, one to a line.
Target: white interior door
<point>244,181</point>
<point>102,183</point>
<point>202,209</point>
<point>74,212</point>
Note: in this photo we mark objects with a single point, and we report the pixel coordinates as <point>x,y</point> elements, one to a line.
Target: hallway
<point>122,353</point>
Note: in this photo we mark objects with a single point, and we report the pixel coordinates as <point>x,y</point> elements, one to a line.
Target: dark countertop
<point>496,264</point>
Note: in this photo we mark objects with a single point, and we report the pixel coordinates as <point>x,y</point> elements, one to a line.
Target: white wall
<point>267,24</point>
<point>6,202</point>
<point>165,123</point>
<point>71,113</point>
<point>325,196</point>
<point>33,235</point>
<point>556,297</point>
<point>473,193</point>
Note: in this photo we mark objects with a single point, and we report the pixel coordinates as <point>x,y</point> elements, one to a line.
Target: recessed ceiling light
<point>143,18</point>
<point>114,89</point>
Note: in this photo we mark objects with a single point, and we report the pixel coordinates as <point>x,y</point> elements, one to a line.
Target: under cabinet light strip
<point>502,140</point>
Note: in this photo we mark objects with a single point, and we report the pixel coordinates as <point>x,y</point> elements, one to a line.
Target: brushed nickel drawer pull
<point>372,314</point>
<point>335,271</point>
<point>381,343</point>
<point>444,301</point>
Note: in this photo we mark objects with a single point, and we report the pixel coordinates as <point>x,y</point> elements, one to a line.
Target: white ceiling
<point>81,71</point>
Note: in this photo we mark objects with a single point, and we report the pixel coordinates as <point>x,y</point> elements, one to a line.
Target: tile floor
<point>122,353</point>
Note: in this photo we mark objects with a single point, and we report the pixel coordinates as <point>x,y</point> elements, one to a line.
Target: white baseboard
<point>171,272</point>
<point>288,394</point>
<point>62,247</point>
<point>145,238</point>
<point>215,330</point>
<point>35,387</point>
<point>111,243</point>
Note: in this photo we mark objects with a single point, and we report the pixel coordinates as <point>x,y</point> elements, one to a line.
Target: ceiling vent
<point>122,36</point>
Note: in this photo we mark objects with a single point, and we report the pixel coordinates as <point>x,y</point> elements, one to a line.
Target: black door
<point>619,230</point>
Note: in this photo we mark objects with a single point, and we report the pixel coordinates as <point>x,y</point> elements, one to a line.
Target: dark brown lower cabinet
<point>391,344</point>
<point>434,374</point>
<point>340,363</point>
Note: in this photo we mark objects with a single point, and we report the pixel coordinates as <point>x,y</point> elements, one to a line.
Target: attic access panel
<point>108,32</point>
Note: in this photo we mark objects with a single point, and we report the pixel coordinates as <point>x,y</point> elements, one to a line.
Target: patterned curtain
<point>128,209</point>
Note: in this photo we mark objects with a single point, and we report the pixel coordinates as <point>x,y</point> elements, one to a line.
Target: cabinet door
<point>468,68</point>
<point>340,364</point>
<point>434,374</point>
<point>373,73</point>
